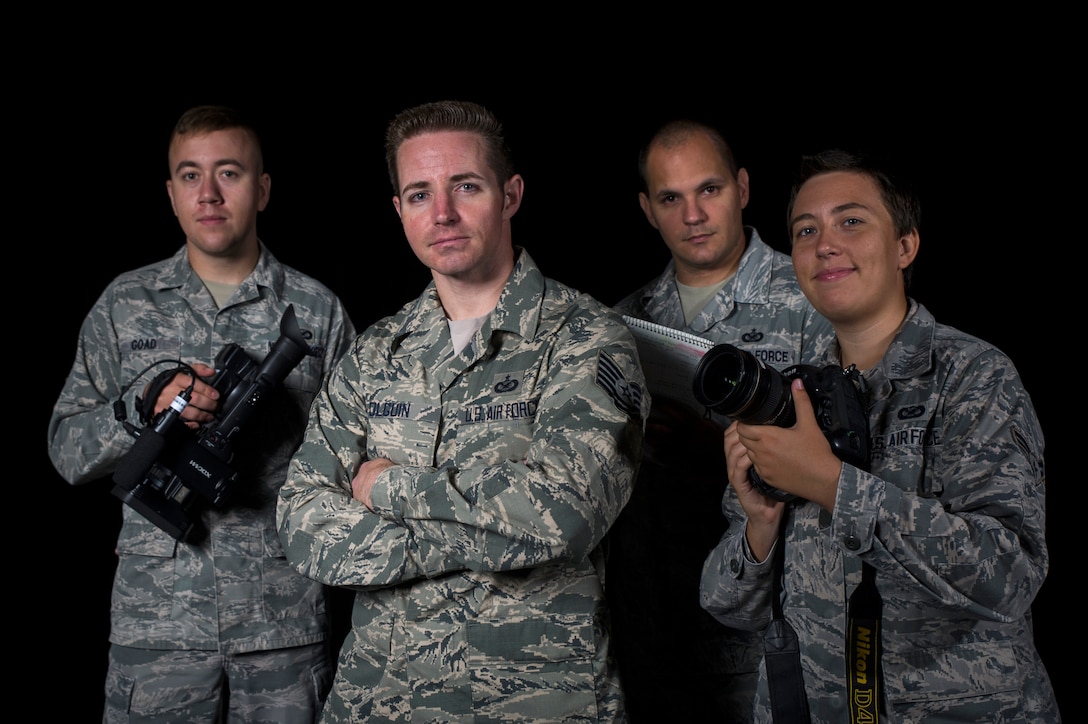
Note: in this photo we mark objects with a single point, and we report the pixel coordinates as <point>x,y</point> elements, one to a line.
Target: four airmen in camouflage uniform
<point>465,458</point>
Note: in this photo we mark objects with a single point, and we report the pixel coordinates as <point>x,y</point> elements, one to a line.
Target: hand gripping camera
<point>171,467</point>
<point>736,384</point>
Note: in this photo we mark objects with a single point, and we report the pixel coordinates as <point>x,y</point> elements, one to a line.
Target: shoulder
<point>314,302</point>
<point>302,285</point>
<point>766,271</point>
<point>376,341</point>
<point>580,313</point>
<point>960,351</point>
<point>138,287</point>
<point>143,277</point>
<point>635,302</point>
<point>964,366</point>
<point>978,382</point>
<point>949,346</point>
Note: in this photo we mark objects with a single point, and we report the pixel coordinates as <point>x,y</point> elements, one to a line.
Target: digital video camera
<point>737,384</point>
<point>171,468</point>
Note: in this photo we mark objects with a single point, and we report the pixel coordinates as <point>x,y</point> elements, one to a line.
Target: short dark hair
<point>896,192</point>
<point>449,116</point>
<point>207,119</point>
<point>675,132</point>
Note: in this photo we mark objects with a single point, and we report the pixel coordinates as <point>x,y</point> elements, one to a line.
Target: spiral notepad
<point>677,334</point>
<point>669,358</point>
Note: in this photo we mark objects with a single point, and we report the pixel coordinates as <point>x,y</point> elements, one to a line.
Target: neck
<point>864,344</point>
<point>224,269</point>
<point>468,298</point>
<point>693,277</point>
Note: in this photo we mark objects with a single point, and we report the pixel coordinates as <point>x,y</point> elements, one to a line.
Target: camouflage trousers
<point>283,685</point>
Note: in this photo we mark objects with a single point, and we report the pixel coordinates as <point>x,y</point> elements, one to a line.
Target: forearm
<point>558,504</point>
<point>86,445</point>
<point>492,509</point>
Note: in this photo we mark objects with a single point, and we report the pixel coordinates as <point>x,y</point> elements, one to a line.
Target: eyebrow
<point>455,179</point>
<point>836,210</point>
<point>711,181</point>
<point>221,162</point>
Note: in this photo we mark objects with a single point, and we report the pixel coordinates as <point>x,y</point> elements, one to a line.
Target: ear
<point>512,194</point>
<point>742,186</point>
<point>644,202</point>
<point>396,205</point>
<point>908,248</point>
<point>264,189</point>
<point>170,193</point>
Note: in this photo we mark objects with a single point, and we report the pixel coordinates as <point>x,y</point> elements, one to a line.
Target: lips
<point>833,273</point>
<point>449,240</point>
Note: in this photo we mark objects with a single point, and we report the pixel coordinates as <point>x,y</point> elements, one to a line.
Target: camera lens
<point>736,384</point>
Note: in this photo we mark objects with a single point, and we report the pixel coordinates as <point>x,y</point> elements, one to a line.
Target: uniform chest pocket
<point>402,439</point>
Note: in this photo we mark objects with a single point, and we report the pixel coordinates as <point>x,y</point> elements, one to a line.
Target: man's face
<point>455,214</point>
<point>695,202</point>
<point>216,188</point>
<point>846,253</point>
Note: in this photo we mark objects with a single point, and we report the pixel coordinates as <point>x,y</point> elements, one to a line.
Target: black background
<point>987,132</point>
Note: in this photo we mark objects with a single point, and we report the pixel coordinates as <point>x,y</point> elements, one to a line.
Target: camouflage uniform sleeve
<point>734,588</point>
<point>341,334</point>
<point>85,441</point>
<point>322,528</point>
<point>556,503</point>
<point>973,540</point>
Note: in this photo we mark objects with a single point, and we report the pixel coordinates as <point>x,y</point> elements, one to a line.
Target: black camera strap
<point>782,652</point>
<point>863,649</point>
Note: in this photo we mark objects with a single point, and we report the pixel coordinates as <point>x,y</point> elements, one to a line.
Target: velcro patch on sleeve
<point>626,395</point>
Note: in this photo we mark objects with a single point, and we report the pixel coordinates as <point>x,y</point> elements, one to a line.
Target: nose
<point>209,190</point>
<point>445,211</point>
<point>827,245</point>
<point>693,212</point>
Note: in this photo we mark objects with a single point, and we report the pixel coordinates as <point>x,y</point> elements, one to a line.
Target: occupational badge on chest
<point>508,383</point>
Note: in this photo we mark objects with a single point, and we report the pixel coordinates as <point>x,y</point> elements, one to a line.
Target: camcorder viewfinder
<point>172,471</point>
<point>740,386</point>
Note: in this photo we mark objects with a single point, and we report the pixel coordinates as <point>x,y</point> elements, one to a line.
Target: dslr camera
<point>737,384</point>
<point>171,469</point>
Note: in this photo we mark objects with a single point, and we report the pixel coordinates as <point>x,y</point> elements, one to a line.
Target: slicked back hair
<point>449,116</point>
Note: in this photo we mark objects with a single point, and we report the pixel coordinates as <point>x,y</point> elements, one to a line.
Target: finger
<point>802,403</point>
<point>202,369</point>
